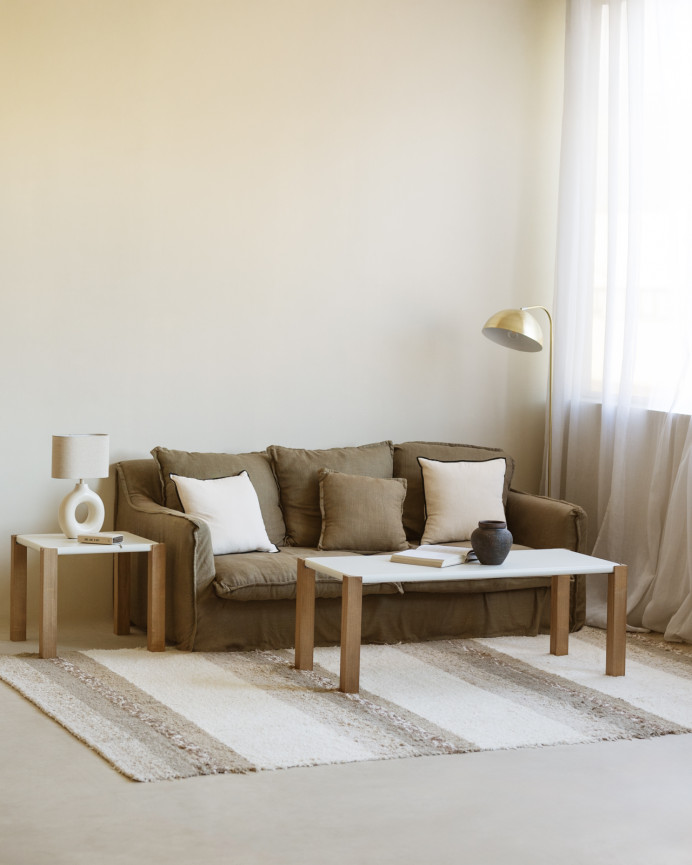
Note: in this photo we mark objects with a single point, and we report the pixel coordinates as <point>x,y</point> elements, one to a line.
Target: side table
<point>50,548</point>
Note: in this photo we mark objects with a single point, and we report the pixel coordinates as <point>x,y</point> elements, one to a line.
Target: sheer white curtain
<point>622,439</point>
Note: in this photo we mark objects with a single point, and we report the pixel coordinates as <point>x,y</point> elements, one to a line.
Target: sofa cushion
<point>458,495</point>
<point>267,576</point>
<point>296,471</point>
<point>231,509</point>
<point>406,466</point>
<point>206,466</point>
<point>360,513</point>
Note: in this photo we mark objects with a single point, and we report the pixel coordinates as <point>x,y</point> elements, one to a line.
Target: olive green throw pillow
<point>361,514</point>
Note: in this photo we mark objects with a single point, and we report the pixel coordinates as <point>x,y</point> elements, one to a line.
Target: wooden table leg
<point>559,614</point>
<point>18,591</point>
<point>305,617</point>
<point>351,615</point>
<point>156,598</point>
<point>122,569</point>
<point>616,625</point>
<point>48,617</point>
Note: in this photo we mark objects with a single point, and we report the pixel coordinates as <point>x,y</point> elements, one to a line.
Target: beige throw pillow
<point>458,495</point>
<point>207,466</point>
<point>361,514</point>
<point>406,466</point>
<point>231,508</point>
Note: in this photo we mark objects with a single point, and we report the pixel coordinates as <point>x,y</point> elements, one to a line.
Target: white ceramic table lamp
<point>80,456</point>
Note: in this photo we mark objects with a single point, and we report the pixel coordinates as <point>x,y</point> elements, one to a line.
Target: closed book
<point>430,558</point>
<point>101,538</point>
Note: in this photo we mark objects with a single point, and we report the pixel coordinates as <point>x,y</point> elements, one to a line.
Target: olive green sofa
<point>247,600</point>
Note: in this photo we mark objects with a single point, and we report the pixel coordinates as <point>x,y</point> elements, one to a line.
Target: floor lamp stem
<point>550,399</point>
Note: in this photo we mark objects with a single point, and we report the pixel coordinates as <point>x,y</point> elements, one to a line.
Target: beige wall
<point>231,223</point>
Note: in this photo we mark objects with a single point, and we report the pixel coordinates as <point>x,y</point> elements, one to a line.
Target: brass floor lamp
<point>518,329</point>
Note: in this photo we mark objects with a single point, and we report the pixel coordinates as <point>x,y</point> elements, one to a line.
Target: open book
<point>435,556</point>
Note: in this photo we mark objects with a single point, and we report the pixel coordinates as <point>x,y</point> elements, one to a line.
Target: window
<point>642,245</point>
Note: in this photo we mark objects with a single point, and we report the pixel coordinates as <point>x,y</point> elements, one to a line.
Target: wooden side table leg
<point>351,615</point>
<point>156,598</point>
<point>305,616</point>
<point>48,617</point>
<point>616,625</point>
<point>18,591</point>
<point>559,614</point>
<point>122,569</point>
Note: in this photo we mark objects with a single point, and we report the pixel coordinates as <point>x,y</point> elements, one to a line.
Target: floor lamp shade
<point>514,328</point>
<point>79,456</point>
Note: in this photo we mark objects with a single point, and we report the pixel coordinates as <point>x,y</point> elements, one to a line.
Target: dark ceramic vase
<point>491,542</point>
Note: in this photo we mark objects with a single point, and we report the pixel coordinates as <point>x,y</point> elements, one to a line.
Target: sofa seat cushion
<point>272,576</point>
<point>207,466</point>
<point>406,466</point>
<point>297,470</point>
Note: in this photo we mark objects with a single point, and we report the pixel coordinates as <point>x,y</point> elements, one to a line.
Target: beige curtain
<point>623,376</point>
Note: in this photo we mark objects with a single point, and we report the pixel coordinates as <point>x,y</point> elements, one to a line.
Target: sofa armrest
<point>544,523</point>
<point>189,557</point>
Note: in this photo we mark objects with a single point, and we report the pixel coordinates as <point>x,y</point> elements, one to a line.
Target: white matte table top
<point>519,563</point>
<point>72,547</point>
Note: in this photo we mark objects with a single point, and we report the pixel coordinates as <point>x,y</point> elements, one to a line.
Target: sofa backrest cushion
<point>139,478</point>
<point>406,466</point>
<point>297,470</point>
<point>206,466</point>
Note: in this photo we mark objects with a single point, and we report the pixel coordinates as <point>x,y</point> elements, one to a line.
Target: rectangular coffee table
<point>354,571</point>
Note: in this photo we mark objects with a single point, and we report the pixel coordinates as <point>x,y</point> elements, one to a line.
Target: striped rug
<point>177,715</point>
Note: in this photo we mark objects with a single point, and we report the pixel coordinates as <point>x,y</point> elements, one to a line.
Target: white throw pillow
<point>460,494</point>
<point>231,508</point>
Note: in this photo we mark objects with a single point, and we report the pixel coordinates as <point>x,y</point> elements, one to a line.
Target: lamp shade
<point>80,455</point>
<point>514,328</point>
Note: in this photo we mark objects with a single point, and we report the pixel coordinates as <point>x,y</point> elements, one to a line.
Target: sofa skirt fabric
<point>415,617</point>
<point>227,625</point>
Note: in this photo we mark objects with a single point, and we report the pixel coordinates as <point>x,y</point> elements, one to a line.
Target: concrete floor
<point>620,802</point>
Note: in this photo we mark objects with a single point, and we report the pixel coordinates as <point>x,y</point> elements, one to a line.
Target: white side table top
<point>72,547</point>
<point>519,563</point>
